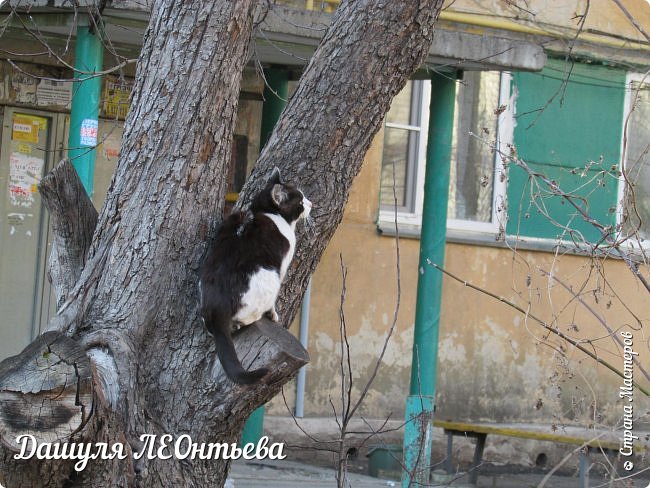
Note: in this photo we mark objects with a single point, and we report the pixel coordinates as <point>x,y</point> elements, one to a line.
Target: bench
<point>590,441</point>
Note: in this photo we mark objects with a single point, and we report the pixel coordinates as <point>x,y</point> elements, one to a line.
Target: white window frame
<point>627,106</point>
<point>405,216</point>
<point>504,137</point>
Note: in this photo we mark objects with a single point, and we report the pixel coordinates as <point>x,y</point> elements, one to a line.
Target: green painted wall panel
<point>572,134</point>
<point>535,212</point>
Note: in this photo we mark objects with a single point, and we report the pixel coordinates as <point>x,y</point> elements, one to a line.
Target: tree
<point>128,333</point>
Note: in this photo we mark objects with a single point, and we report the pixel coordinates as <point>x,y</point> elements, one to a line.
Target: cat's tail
<point>229,360</point>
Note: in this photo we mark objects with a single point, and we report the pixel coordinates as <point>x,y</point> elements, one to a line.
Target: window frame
<point>630,242</point>
<point>412,220</point>
<point>414,170</point>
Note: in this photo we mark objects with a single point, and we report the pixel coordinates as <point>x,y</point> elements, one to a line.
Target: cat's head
<point>282,198</point>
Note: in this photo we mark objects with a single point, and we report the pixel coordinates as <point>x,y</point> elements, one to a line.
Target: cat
<point>240,278</point>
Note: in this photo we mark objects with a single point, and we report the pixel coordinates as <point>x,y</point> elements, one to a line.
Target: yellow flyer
<point>25,127</point>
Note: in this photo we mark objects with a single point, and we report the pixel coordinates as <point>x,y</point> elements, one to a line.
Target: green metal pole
<point>421,400</point>
<point>86,94</point>
<point>276,92</point>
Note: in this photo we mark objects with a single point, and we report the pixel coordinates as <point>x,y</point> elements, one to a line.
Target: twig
<point>598,317</point>
<point>606,231</point>
<point>631,18</point>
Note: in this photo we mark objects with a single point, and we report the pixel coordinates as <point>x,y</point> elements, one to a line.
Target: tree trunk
<point>133,309</point>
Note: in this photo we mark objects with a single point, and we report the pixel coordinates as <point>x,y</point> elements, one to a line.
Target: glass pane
<point>472,165</point>
<point>400,108</point>
<point>397,143</point>
<point>637,208</point>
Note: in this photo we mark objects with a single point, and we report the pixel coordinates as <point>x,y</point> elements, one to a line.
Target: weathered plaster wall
<point>495,364</point>
<point>603,16</point>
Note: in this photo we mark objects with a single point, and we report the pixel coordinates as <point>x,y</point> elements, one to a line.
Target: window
<point>635,214</point>
<point>565,122</point>
<point>476,187</point>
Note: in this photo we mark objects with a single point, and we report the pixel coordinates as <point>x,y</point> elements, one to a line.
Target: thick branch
<point>73,218</point>
<point>45,391</point>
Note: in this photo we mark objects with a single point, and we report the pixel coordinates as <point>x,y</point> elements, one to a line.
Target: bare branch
<point>73,218</point>
<point>631,18</point>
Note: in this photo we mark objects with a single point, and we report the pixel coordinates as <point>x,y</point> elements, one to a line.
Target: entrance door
<point>27,151</point>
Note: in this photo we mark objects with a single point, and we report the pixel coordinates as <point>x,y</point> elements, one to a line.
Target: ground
<point>309,468</point>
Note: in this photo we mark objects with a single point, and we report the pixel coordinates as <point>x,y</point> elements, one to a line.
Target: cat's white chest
<point>289,232</point>
<point>260,297</point>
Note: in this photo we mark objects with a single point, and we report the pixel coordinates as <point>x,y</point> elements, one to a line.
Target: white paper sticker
<point>89,132</point>
<point>25,173</point>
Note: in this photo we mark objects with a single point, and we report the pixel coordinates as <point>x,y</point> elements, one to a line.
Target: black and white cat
<point>241,276</point>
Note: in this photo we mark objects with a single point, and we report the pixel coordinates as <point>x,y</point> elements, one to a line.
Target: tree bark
<point>46,391</point>
<point>133,309</point>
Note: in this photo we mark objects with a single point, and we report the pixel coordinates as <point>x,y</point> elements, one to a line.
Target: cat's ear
<point>275,178</point>
<point>279,194</point>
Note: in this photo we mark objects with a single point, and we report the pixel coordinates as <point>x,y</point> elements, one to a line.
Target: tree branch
<point>323,134</point>
<point>45,391</point>
<point>73,218</point>
<point>632,20</point>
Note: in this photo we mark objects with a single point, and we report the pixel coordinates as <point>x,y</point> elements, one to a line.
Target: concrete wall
<point>495,364</point>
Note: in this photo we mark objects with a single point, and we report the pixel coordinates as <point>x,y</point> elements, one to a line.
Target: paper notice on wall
<point>111,144</point>
<point>117,95</point>
<point>49,92</point>
<point>88,132</point>
<point>24,148</point>
<point>25,127</point>
<point>15,219</point>
<point>25,173</point>
<point>24,130</point>
<point>25,87</point>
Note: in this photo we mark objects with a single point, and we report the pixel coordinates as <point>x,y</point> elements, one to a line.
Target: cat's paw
<point>273,315</point>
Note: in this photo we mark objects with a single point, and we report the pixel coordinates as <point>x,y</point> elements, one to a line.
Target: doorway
<point>32,142</point>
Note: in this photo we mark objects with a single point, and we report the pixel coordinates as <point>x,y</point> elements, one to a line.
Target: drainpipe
<point>276,91</point>
<point>420,404</point>
<point>304,338</point>
<point>86,95</point>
